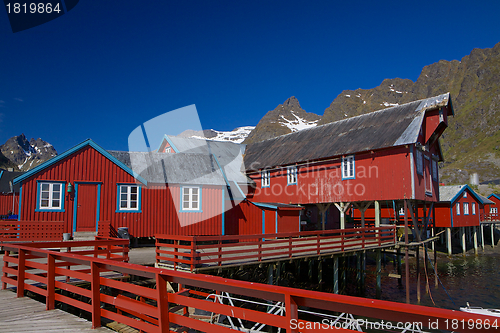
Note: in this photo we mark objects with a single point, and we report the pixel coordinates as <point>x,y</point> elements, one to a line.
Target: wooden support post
<point>51,281</point>
<point>407,267</point>
<point>322,208</point>
<point>448,241</point>
<point>400,271</point>
<point>4,271</point>
<point>343,273</point>
<point>358,271</point>
<point>378,259</point>
<point>342,207</point>
<point>435,269</point>
<point>21,267</point>
<point>363,209</point>
<point>291,311</point>
<point>426,270</point>
<point>298,270</point>
<point>482,236</point>
<point>320,274</point>
<point>462,238</point>
<point>417,254</point>
<point>336,275</point>
<point>162,303</point>
<point>310,271</point>
<point>96,294</point>
<point>278,273</point>
<point>377,214</point>
<point>474,236</point>
<point>492,236</point>
<point>270,271</point>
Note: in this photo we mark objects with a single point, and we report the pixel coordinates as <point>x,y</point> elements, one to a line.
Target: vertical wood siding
<point>6,203</point>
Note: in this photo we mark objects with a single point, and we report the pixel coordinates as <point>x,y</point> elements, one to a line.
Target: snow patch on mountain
<point>238,135</point>
<point>298,123</point>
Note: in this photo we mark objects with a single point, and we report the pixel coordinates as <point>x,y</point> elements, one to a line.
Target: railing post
<point>379,235</point>
<point>193,251</point>
<point>162,303</point>
<point>289,246</point>
<point>96,294</point>
<point>5,265</point>
<point>108,251</point>
<point>318,244</point>
<point>51,281</point>
<point>291,312</point>
<point>220,254</point>
<point>21,267</point>
<point>176,249</point>
<point>260,249</point>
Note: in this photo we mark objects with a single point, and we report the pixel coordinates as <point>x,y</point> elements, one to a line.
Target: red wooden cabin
<point>9,193</point>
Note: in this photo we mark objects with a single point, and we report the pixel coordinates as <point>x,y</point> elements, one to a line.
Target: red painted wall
<point>288,221</point>
<point>159,214</point>
<point>446,218</point>
<point>244,219</point>
<point>6,203</point>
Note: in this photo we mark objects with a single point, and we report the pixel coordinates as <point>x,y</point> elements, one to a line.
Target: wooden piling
<point>379,269</point>
<point>336,275</point>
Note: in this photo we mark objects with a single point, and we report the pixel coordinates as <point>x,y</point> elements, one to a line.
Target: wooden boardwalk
<point>22,315</point>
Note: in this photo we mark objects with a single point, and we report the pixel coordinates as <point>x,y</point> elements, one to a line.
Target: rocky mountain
<point>23,155</point>
<point>472,141</point>
<point>238,135</point>
<point>286,118</point>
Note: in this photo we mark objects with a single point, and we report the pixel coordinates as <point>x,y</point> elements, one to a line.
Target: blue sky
<point>106,67</point>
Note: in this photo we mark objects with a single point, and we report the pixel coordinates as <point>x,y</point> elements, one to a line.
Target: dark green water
<point>473,279</point>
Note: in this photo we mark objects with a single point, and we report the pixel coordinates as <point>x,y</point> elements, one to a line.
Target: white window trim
<point>466,208</point>
<point>493,210</point>
<point>51,199</point>
<point>458,208</point>
<point>348,166</point>
<point>473,208</point>
<point>191,199</point>
<point>291,175</point>
<point>265,178</point>
<point>465,194</point>
<point>129,199</point>
<point>168,150</point>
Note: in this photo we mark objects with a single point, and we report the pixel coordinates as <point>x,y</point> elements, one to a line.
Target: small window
<point>265,178</point>
<point>291,175</point>
<point>466,208</point>
<point>168,150</point>
<point>465,194</point>
<point>473,208</point>
<point>50,196</point>
<point>348,167</point>
<point>458,208</point>
<point>129,198</point>
<point>191,198</point>
<point>493,210</point>
<point>420,162</point>
<point>435,174</point>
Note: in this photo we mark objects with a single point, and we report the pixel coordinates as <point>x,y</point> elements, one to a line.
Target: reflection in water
<point>473,279</point>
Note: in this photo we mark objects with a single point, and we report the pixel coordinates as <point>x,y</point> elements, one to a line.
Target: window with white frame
<point>473,208</point>
<point>191,198</point>
<point>168,150</point>
<point>129,197</point>
<point>420,162</point>
<point>493,210</point>
<point>466,208</point>
<point>50,195</point>
<point>458,208</point>
<point>465,194</point>
<point>265,178</point>
<point>348,167</point>
<point>291,175</point>
<point>435,174</point>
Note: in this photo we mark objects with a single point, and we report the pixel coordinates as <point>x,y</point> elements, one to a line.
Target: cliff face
<point>23,155</point>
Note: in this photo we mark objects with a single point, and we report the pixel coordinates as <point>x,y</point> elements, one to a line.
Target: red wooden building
<point>379,157</point>
<point>9,193</point>
<point>493,211</point>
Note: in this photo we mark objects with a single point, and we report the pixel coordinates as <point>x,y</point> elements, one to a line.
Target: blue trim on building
<point>221,170</point>
<point>353,167</point>
<point>276,222</point>
<point>294,171</point>
<point>263,221</point>
<point>139,201</point>
<point>494,195</point>
<point>62,198</point>
<point>71,151</point>
<point>1,173</point>
<point>223,214</point>
<point>169,142</point>
<point>263,205</point>
<point>20,199</point>
<point>451,215</point>
<point>75,207</point>
<point>200,202</point>
<point>458,195</point>
<point>98,208</point>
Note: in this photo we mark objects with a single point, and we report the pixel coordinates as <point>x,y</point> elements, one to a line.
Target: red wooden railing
<point>489,217</point>
<point>197,251</point>
<point>157,310</point>
<point>21,231</point>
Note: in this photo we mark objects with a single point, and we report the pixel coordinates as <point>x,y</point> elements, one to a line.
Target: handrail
<point>196,251</point>
<point>31,231</point>
<point>159,305</point>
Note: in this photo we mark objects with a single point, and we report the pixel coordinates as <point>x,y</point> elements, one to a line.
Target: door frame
<point>98,203</point>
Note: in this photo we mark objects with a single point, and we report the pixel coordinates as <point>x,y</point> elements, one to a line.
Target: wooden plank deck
<point>22,315</point>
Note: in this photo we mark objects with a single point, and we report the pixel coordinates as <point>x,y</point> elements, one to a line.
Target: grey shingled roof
<point>6,179</point>
<point>447,193</point>
<point>394,126</point>
<point>485,200</point>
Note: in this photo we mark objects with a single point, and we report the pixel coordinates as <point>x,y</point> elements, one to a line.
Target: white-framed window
<point>465,194</point>
<point>493,210</point>
<point>420,162</point>
<point>168,150</point>
<point>435,173</point>
<point>291,175</point>
<point>50,196</point>
<point>265,178</point>
<point>473,208</point>
<point>458,208</point>
<point>129,198</point>
<point>191,198</point>
<point>466,208</point>
<point>348,167</point>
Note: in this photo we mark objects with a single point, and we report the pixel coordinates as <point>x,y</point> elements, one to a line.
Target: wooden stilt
<point>407,267</point>
<point>435,269</point>
<point>462,237</point>
<point>358,272</point>
<point>336,275</point>
<point>417,254</point>
<point>310,271</point>
<point>475,239</point>
<point>270,273</point>
<point>278,273</point>
<point>400,271</point>
<point>448,241</point>
<point>320,274</point>
<point>379,270</point>
<point>492,236</point>
<point>343,272</point>
<point>482,236</point>
<point>426,270</point>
